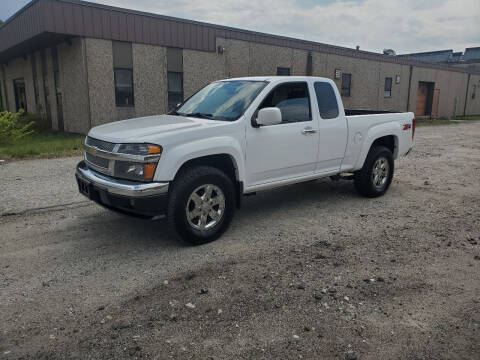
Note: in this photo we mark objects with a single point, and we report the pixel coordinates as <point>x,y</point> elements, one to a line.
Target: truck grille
<point>99,144</point>
<point>96,160</point>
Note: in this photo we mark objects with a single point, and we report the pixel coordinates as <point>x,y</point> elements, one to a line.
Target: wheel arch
<point>385,135</point>
<point>222,161</point>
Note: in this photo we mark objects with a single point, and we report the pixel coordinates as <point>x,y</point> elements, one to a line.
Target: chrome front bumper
<point>120,187</point>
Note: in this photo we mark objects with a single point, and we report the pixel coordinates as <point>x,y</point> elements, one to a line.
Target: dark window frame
<point>277,86</point>
<point>346,91</point>
<point>117,104</point>
<point>182,93</point>
<point>318,100</point>
<point>283,69</point>
<point>387,89</point>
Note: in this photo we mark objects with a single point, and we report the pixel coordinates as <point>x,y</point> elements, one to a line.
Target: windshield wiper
<point>199,115</point>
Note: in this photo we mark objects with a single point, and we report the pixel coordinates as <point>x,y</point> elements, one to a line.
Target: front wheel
<point>201,204</point>
<point>374,178</point>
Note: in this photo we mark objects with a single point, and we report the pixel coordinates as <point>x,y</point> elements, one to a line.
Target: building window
<point>124,87</point>
<point>346,83</point>
<point>387,91</point>
<point>326,99</point>
<point>175,89</point>
<point>123,73</point>
<point>174,77</point>
<point>20,95</point>
<point>283,71</point>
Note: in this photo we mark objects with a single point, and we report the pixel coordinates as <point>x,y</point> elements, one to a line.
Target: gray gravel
<point>311,270</point>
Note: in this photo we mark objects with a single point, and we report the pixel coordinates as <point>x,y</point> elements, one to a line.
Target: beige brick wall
<point>264,59</point>
<point>201,68</point>
<point>473,105</point>
<point>101,87</point>
<point>73,75</point>
<point>150,79</point>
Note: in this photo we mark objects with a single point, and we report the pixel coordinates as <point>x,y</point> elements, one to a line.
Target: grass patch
<point>468,117</point>
<point>43,145</point>
<point>435,122</point>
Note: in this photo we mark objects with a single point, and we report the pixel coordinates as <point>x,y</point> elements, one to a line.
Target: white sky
<point>403,25</point>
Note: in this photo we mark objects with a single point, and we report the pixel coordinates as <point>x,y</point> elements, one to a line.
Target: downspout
<point>409,87</point>
<point>466,96</point>
<point>85,62</point>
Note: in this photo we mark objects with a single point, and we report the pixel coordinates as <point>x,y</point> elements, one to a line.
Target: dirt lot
<point>309,271</point>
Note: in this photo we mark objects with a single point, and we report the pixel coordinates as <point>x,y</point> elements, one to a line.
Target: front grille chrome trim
<point>121,156</point>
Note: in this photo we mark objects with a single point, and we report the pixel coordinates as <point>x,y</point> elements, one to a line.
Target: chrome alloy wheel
<point>205,207</point>
<point>380,173</point>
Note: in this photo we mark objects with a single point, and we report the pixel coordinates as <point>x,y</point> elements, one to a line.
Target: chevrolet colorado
<point>235,137</point>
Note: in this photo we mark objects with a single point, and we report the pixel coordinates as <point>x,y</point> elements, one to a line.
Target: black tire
<point>182,188</point>
<point>364,178</point>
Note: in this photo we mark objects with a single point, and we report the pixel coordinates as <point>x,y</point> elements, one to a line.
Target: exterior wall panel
<point>149,79</point>
<point>201,68</point>
<point>264,59</point>
<point>101,90</point>
<point>73,75</point>
<point>473,105</point>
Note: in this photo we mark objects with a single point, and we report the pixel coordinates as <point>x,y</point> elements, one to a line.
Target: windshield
<point>223,100</point>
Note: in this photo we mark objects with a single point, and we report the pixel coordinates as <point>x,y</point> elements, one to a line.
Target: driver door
<point>287,150</point>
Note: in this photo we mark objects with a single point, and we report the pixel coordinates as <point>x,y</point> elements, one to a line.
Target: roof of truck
<point>271,78</point>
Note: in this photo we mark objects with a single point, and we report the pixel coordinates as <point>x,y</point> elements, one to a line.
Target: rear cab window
<point>326,99</point>
<point>293,100</point>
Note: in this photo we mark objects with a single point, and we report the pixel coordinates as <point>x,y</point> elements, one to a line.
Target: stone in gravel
<point>301,287</point>
<point>380,279</point>
<point>426,183</point>
<point>165,282</point>
<point>317,296</point>
<point>101,307</point>
<point>351,356</point>
<point>52,337</point>
<point>190,306</point>
<point>477,257</point>
<point>190,276</point>
<point>296,337</point>
<point>203,291</point>
<point>219,311</point>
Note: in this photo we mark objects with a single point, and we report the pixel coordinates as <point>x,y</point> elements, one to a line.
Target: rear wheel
<point>374,178</point>
<point>201,204</point>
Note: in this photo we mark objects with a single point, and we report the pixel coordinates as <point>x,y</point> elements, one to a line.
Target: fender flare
<point>173,159</point>
<point>374,133</point>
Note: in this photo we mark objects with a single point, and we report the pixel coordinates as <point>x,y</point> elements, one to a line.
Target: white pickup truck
<point>235,137</point>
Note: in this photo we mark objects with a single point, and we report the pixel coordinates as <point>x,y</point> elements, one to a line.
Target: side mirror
<point>269,116</point>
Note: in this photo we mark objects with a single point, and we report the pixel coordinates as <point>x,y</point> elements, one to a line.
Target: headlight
<point>135,171</point>
<point>144,169</point>
<point>140,149</point>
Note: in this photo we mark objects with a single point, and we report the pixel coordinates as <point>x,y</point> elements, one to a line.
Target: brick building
<point>80,64</point>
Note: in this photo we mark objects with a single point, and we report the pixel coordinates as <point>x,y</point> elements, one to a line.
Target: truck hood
<point>143,129</point>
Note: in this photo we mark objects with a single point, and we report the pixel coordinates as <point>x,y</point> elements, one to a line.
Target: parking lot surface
<point>307,271</point>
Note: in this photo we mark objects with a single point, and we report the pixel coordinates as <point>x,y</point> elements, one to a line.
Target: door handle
<point>308,130</point>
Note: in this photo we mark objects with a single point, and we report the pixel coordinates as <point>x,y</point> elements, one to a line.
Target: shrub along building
<point>80,64</point>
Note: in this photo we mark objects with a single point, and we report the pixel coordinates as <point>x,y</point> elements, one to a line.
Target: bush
<point>13,127</point>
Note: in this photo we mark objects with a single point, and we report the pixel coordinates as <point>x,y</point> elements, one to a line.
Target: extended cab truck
<point>235,137</point>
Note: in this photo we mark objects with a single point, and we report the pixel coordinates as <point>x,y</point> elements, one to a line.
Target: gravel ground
<point>308,271</point>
